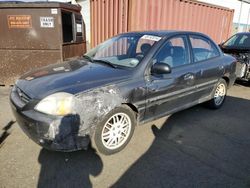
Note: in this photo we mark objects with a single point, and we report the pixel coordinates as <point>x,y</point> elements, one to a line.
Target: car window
<point>117,48</point>
<point>243,38</point>
<point>124,50</point>
<point>238,41</point>
<point>231,41</point>
<point>244,41</point>
<point>142,43</point>
<point>143,46</point>
<point>203,48</point>
<point>174,52</point>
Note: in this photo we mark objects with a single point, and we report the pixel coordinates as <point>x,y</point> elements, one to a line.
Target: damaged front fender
<point>70,132</point>
<point>92,106</point>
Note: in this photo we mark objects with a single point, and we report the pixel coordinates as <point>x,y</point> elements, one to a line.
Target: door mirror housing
<point>160,68</point>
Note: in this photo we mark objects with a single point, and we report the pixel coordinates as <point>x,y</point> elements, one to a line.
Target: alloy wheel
<point>219,94</point>
<point>116,131</point>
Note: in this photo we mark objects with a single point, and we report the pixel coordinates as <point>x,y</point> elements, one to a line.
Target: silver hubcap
<point>220,93</point>
<point>116,131</point>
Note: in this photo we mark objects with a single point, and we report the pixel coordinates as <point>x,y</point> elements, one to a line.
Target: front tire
<point>219,95</point>
<point>115,131</point>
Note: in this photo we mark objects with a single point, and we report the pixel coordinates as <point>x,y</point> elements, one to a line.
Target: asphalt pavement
<point>197,147</point>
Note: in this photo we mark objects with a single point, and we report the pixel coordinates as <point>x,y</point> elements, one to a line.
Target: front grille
<point>24,97</point>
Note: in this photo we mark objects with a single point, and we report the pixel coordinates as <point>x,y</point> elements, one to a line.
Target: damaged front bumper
<point>60,133</point>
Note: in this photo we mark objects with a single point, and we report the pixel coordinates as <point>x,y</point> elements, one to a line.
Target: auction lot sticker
<point>151,37</point>
<point>19,21</point>
<point>47,22</point>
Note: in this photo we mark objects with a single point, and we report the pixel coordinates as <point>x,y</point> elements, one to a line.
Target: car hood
<point>72,77</point>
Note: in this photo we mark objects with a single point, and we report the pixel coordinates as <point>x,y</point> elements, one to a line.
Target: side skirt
<point>205,99</point>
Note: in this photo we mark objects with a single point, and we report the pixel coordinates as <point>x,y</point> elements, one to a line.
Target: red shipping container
<point>111,17</point>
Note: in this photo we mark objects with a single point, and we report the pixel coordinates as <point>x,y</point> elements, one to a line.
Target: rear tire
<point>219,95</point>
<point>114,132</point>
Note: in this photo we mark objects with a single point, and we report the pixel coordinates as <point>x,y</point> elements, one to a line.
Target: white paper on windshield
<point>151,37</point>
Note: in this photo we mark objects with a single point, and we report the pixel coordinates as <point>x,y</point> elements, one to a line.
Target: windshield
<point>124,50</point>
<point>238,40</point>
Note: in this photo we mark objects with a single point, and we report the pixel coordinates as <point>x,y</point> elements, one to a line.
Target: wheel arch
<point>227,80</point>
<point>132,107</point>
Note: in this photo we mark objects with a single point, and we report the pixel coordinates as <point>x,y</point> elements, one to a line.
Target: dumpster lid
<point>40,4</point>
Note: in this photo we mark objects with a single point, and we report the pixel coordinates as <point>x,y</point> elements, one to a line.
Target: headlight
<point>57,104</point>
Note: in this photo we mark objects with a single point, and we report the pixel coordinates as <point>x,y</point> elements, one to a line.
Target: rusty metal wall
<point>181,15</point>
<point>73,50</point>
<point>25,47</point>
<point>110,17</point>
<point>14,63</point>
<point>25,44</point>
<point>33,37</point>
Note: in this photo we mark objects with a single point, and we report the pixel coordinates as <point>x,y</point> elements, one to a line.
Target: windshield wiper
<point>104,62</point>
<point>88,58</point>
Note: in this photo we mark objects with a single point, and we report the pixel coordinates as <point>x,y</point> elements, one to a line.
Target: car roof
<point>162,33</point>
<point>243,33</point>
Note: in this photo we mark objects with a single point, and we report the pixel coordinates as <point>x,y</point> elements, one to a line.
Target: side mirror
<point>160,68</point>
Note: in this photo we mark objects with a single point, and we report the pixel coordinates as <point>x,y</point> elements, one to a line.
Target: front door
<point>168,93</point>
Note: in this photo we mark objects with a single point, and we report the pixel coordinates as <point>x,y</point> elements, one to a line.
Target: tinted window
<point>203,48</point>
<point>174,52</point>
<point>238,40</point>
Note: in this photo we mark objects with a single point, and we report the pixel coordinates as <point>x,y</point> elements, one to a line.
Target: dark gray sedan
<point>129,79</point>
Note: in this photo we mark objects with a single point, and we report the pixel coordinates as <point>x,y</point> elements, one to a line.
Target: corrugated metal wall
<point>110,17</point>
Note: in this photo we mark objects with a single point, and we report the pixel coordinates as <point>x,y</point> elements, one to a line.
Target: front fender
<point>93,105</point>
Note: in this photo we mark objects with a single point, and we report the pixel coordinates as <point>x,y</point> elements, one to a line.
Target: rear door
<point>170,92</point>
<point>206,59</point>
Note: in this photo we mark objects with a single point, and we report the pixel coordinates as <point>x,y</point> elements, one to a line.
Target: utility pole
<point>248,19</point>
<point>241,2</point>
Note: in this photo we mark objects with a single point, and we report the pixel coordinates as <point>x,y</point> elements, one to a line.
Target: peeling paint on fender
<point>92,106</point>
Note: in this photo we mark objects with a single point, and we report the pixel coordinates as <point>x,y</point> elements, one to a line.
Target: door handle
<point>189,77</point>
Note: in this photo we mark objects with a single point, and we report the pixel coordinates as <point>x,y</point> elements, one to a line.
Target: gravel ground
<point>197,147</point>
